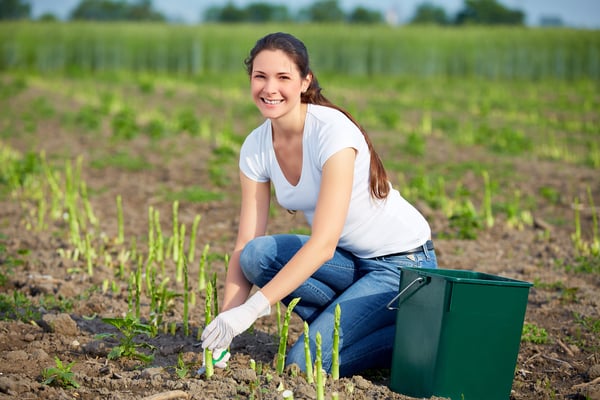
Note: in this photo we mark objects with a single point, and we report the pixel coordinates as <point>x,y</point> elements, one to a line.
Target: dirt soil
<point>566,367</point>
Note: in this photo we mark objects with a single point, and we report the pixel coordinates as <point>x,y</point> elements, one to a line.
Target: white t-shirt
<point>373,227</point>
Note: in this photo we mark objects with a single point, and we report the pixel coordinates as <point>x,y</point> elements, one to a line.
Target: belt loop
<point>425,250</point>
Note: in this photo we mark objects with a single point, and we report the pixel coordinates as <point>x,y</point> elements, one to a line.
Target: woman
<point>322,163</point>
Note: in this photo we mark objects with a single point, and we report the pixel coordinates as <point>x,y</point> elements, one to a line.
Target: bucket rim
<point>467,276</point>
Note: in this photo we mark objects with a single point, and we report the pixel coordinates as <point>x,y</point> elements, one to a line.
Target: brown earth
<point>566,367</point>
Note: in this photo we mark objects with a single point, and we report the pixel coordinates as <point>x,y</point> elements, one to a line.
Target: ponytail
<point>378,179</point>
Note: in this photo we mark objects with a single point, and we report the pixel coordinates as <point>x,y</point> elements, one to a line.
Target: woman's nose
<point>270,86</point>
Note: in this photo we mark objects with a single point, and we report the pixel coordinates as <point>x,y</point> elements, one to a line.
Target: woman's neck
<point>291,124</point>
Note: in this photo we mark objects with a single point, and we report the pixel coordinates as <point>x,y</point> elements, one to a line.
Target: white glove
<point>219,357</point>
<point>221,331</point>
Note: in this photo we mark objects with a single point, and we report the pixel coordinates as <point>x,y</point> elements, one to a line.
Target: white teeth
<point>272,101</point>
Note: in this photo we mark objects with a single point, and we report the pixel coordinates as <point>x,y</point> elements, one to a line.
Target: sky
<point>574,13</point>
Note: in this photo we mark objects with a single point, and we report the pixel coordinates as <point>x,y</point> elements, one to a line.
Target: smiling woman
<point>321,162</point>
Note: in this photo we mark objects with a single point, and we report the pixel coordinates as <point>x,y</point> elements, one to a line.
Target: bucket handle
<point>420,280</point>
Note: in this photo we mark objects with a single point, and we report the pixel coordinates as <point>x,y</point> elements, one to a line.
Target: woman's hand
<point>227,325</point>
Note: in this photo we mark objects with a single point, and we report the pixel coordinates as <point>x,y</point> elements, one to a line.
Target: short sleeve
<point>254,157</point>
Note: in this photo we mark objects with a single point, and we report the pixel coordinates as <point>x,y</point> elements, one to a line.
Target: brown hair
<point>296,50</point>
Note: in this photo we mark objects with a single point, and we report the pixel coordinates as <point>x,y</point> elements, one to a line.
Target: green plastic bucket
<point>457,334</point>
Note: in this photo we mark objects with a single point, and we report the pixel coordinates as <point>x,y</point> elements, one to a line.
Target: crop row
<point>496,53</point>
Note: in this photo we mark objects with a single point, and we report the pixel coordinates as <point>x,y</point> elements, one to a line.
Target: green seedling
<point>18,307</point>
<point>307,355</point>
<point>487,200</point>
<point>186,297</point>
<point>516,216</point>
<point>465,221</point>
<point>278,316</point>
<point>215,296</point>
<point>161,299</point>
<point>320,382</point>
<point>181,369</point>
<point>181,256</point>
<point>284,335</point>
<point>192,249</point>
<point>534,334</point>
<point>129,327</point>
<point>60,375</point>
<point>175,243</point>
<point>120,229</point>
<point>335,352</point>
<point>202,268</point>
<point>87,205</point>
<point>159,242</point>
<point>208,316</point>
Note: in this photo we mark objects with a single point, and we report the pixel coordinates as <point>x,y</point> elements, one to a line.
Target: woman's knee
<point>256,258</point>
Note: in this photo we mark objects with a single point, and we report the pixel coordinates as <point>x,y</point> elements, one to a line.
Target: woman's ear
<point>306,82</point>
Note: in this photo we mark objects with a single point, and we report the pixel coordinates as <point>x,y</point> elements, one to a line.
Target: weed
<point>130,327</point>
<point>584,264</point>
<point>534,334</point>
<point>415,144</point>
<point>18,307</point>
<point>122,160</point>
<point>181,369</point>
<point>465,221</point>
<point>188,122</point>
<point>88,118</point>
<point>60,375</point>
<point>193,195</point>
<point>124,124</point>
<point>590,324</point>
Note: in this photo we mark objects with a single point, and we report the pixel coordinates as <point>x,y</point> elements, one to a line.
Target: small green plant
<point>194,195</point>
<point>18,307</point>
<point>60,375</point>
<point>335,352</point>
<point>590,324</point>
<point>534,334</point>
<point>320,381</point>
<point>465,221</point>
<point>124,124</point>
<point>284,335</point>
<point>209,314</point>
<point>181,369</point>
<point>130,327</point>
<point>307,356</point>
<point>188,122</point>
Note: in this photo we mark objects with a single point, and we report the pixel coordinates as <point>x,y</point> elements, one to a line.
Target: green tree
<point>325,11</point>
<point>111,10</point>
<point>47,17</point>
<point>14,9</point>
<point>265,12</point>
<point>488,12</point>
<point>230,13</point>
<point>427,13</point>
<point>362,15</point>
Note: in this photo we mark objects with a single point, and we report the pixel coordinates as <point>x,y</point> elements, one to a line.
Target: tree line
<point>483,12</point>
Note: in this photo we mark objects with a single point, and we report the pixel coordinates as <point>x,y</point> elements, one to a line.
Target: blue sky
<point>576,13</point>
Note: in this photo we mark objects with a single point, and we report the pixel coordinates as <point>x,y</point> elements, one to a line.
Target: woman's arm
<point>328,222</point>
<point>254,212</point>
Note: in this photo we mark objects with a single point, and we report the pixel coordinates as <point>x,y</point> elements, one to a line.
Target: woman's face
<point>276,84</point>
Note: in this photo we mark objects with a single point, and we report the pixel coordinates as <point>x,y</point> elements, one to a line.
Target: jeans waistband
<point>427,246</point>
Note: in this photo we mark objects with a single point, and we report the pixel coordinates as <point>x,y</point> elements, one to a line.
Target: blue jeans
<point>362,287</point>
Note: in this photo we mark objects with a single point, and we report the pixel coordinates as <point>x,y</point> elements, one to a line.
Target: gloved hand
<point>221,331</point>
<point>219,357</point>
